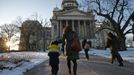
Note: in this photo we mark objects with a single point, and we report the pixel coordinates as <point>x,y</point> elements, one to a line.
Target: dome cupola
<point>69,4</point>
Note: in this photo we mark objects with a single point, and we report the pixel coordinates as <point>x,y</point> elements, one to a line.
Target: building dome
<point>69,4</point>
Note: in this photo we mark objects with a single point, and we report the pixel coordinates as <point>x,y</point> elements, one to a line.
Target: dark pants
<point>62,48</point>
<point>74,66</point>
<point>86,53</point>
<point>55,68</point>
<point>116,55</point>
<point>54,62</point>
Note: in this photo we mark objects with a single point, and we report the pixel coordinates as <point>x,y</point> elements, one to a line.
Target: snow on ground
<point>126,55</point>
<point>39,57</point>
<point>34,57</point>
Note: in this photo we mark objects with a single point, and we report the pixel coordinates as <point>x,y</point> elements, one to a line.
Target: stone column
<point>52,33</point>
<point>66,22</point>
<point>93,28</point>
<point>73,25</point>
<point>90,29</point>
<point>84,29</point>
<point>60,27</point>
<point>79,28</point>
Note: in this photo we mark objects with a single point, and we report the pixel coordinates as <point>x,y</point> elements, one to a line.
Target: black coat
<point>53,58</point>
<point>113,43</point>
<point>72,54</point>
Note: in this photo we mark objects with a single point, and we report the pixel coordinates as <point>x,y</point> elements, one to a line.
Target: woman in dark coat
<point>72,55</point>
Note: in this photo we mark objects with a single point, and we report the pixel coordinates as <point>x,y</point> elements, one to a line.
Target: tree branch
<point>105,28</point>
<point>127,22</point>
<point>128,31</point>
<point>117,1</point>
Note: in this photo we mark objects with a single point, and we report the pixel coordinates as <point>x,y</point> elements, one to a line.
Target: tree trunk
<point>122,43</point>
<point>122,38</point>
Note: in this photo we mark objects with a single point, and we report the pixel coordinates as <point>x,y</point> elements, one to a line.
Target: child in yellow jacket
<point>54,57</point>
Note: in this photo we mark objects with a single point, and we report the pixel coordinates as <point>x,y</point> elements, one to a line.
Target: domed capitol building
<point>70,15</point>
<point>35,37</point>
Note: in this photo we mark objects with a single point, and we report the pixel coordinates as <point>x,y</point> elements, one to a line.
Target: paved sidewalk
<point>95,66</point>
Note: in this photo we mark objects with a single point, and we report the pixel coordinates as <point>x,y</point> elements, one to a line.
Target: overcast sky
<point>11,9</point>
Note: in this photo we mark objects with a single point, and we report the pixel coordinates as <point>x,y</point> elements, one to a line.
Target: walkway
<point>95,66</point>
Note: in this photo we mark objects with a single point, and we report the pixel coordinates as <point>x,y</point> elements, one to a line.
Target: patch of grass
<point>20,60</point>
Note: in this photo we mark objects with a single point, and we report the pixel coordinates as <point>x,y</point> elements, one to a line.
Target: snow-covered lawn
<point>126,55</point>
<point>35,58</point>
<point>12,68</point>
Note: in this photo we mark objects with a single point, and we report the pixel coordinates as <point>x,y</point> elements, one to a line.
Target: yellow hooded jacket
<point>53,48</point>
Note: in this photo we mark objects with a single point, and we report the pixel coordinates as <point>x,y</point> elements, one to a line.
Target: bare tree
<point>8,31</point>
<point>19,21</point>
<point>41,20</point>
<point>45,23</point>
<point>118,12</point>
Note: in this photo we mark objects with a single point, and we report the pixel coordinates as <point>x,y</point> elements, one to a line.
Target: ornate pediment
<point>74,13</point>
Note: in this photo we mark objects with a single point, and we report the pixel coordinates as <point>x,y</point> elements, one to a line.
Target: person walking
<point>54,57</point>
<point>113,44</point>
<point>86,48</point>
<point>71,53</point>
<point>83,43</point>
<point>86,45</point>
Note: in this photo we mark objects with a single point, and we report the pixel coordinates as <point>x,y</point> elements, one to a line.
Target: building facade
<point>101,36</point>
<point>31,36</point>
<point>70,15</point>
<point>34,37</point>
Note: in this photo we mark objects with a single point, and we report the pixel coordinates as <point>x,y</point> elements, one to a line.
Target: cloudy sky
<point>11,9</point>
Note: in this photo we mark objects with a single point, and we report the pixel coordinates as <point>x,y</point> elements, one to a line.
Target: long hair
<point>67,29</point>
